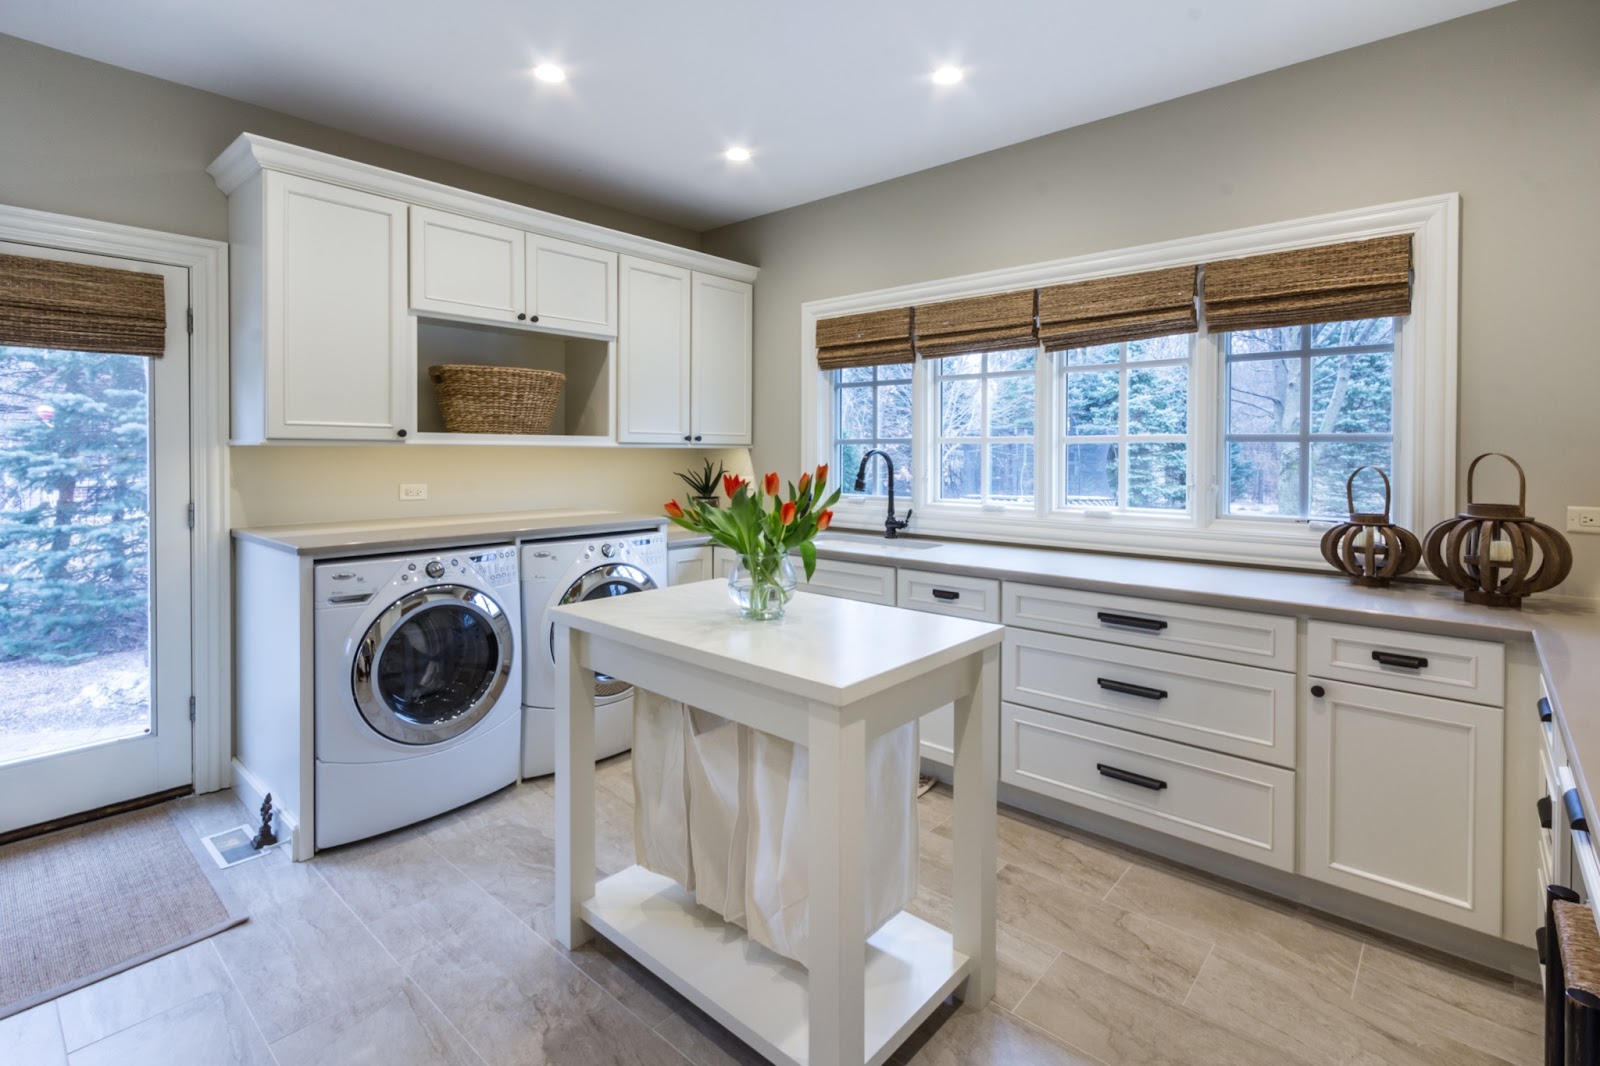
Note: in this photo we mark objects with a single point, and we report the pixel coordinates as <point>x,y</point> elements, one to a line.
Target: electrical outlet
<point>1583,519</point>
<point>417,491</point>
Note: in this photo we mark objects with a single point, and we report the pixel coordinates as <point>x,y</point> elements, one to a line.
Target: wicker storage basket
<point>496,399</point>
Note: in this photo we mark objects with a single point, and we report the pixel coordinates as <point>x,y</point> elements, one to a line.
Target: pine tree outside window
<point>872,408</point>
<point>1125,431</point>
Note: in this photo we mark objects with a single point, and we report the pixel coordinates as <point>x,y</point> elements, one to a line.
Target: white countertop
<point>331,539</point>
<point>830,650</point>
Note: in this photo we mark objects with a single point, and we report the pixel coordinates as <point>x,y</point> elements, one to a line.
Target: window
<point>1126,425</point>
<point>1216,433</point>
<point>1306,405</point>
<point>985,427</point>
<point>872,409</point>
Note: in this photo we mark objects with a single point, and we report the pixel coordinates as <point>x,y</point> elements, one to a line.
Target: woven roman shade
<point>995,323</point>
<point>874,338</point>
<point>46,303</point>
<point>1128,307</point>
<point>1331,283</point>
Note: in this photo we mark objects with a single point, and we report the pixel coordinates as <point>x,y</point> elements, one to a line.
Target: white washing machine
<point>567,571</point>
<point>418,689</point>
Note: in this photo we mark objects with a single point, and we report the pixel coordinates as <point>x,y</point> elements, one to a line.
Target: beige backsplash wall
<point>1502,107</point>
<point>291,484</point>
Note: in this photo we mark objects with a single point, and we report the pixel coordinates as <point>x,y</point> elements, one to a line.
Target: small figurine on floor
<point>265,838</point>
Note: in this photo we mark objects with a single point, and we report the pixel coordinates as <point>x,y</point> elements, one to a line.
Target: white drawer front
<point>1456,669</point>
<point>1240,710</point>
<point>1233,636</point>
<point>853,581</point>
<point>1225,803</point>
<point>965,597</point>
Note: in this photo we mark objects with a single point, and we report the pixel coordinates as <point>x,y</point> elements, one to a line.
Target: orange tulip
<point>673,510</point>
<point>822,474</point>
<point>772,483</point>
<point>787,515</point>
<point>731,483</point>
<point>824,520</point>
<point>805,479</point>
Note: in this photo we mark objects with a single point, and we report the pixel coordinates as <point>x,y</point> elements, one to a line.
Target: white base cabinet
<point>688,564</point>
<point>1403,800</point>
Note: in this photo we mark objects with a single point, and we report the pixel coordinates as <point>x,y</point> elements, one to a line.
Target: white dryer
<point>555,572</point>
<point>418,690</point>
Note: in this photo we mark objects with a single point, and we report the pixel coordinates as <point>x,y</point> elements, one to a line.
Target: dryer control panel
<point>498,565</point>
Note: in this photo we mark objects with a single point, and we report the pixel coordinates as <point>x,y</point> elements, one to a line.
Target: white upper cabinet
<point>463,266</point>
<point>322,340</point>
<point>572,287</point>
<point>467,268</point>
<point>720,358</point>
<point>684,350</point>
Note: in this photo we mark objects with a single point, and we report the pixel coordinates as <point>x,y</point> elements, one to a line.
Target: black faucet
<point>891,525</point>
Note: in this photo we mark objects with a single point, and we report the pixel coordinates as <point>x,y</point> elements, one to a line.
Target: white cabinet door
<point>722,562</point>
<point>339,340</point>
<point>721,361</point>
<point>688,565</point>
<point>1403,800</point>
<point>463,266</point>
<point>571,287</point>
<point>653,353</point>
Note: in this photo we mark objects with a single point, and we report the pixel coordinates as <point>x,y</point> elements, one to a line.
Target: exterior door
<point>94,569</point>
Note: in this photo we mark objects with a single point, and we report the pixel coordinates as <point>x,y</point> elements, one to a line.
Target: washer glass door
<point>433,664</point>
<point>611,579</point>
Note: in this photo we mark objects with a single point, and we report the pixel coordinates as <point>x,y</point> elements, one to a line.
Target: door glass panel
<point>74,550</point>
<point>438,664</point>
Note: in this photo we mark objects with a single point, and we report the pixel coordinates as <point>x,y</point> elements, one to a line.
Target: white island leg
<point>977,732</point>
<point>574,787</point>
<point>837,945</point>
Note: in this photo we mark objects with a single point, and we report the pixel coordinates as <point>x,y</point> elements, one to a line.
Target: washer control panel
<point>498,565</point>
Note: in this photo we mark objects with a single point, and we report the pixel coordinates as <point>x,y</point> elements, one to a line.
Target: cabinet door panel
<point>462,266</point>
<point>1403,800</point>
<point>653,353</point>
<point>720,340</point>
<point>688,565</point>
<point>338,332</point>
<point>572,287</point>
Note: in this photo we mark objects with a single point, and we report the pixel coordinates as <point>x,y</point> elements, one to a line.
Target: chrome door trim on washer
<point>394,724</point>
<point>586,586</point>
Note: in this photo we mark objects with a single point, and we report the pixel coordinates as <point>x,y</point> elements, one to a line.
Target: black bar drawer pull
<point>1544,806</point>
<point>1574,806</point>
<point>1544,709</point>
<point>946,594</point>
<point>1131,621</point>
<point>1154,784</point>
<point>1394,658</point>
<point>1131,690</point>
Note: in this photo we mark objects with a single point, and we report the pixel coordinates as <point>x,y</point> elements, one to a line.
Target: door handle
<point>1131,690</point>
<point>946,594</point>
<point>1130,621</point>
<point>1154,784</point>
<point>1394,658</point>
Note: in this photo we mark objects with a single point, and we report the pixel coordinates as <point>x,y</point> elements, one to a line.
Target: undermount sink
<point>882,543</point>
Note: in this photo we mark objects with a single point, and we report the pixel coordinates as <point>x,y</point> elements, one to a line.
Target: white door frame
<point>211,617</point>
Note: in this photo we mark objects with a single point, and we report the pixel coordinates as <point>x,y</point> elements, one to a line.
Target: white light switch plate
<point>417,491</point>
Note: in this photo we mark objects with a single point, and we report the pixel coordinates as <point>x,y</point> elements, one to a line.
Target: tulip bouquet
<point>763,535</point>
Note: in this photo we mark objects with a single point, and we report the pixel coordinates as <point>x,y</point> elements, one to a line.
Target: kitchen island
<point>832,675</point>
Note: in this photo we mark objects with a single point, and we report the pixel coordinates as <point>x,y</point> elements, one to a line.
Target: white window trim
<point>211,555</point>
<point>1425,394</point>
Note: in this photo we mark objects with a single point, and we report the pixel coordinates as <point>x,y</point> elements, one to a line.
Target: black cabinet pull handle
<point>1318,691</point>
<point>521,318</point>
<point>1131,690</point>
<point>399,432</point>
<point>1154,784</point>
<point>946,594</point>
<point>1130,621</point>
<point>1538,942</point>
<point>1544,709</point>
<point>1544,807</point>
<point>1394,658</point>
<point>1574,806</point>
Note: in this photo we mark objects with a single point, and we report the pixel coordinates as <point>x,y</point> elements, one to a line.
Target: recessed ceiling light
<point>736,154</point>
<point>549,72</point>
<point>947,75</point>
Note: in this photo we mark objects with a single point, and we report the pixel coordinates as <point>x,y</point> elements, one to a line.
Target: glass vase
<point>762,584</point>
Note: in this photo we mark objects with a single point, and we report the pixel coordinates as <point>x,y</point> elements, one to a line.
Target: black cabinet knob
<point>697,438</point>
<point>1318,691</point>
<point>533,318</point>
<point>399,432</point>
<point>686,437</point>
<point>521,317</point>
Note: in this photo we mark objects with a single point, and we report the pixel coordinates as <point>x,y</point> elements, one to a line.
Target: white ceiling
<point>829,95</point>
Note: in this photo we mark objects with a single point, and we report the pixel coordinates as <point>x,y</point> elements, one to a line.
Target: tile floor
<point>432,946</point>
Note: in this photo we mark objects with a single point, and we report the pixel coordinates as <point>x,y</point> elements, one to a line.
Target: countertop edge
<point>336,540</point>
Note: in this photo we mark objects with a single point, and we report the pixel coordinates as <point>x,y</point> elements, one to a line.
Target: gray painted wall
<point>1502,107</point>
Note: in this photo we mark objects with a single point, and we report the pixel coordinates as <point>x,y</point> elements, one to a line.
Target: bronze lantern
<point>1494,552</point>
<point>1370,548</point>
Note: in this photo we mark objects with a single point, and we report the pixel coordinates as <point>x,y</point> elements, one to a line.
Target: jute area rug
<point>82,904</point>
